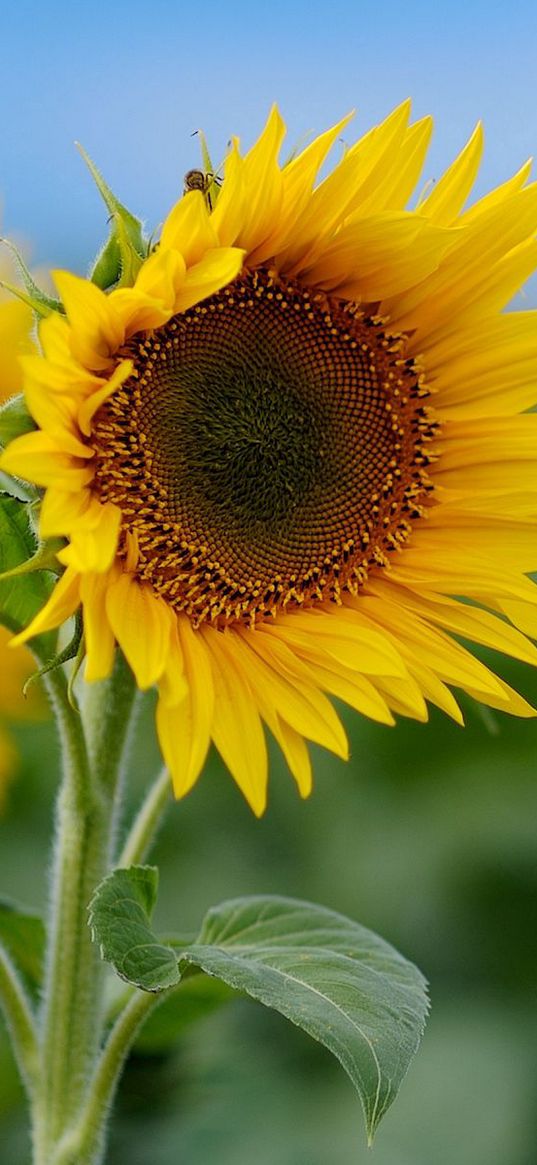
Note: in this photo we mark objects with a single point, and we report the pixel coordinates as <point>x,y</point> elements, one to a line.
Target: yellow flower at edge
<point>15,328</point>
<point>15,668</point>
<point>287,452</point>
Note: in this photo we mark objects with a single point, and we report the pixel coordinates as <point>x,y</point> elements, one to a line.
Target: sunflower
<point>292,461</point>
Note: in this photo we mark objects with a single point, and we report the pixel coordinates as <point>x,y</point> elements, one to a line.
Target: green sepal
<point>45,558</point>
<point>205,155</point>
<point>69,652</point>
<point>22,935</point>
<point>211,188</point>
<point>15,420</point>
<point>41,303</point>
<point>119,261</point>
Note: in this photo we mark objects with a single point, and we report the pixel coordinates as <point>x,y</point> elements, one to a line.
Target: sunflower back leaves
<point>15,420</point>
<point>32,295</point>
<point>339,982</point>
<point>119,261</point>
<point>24,592</point>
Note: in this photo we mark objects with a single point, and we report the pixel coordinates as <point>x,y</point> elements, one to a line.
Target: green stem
<point>83,1145</point>
<point>72,1009</point>
<point>106,716</point>
<point>68,1023</point>
<point>144,827</point>
<point>20,1021</point>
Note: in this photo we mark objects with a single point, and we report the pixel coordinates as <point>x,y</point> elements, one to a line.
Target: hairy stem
<point>83,1145</point>
<point>92,749</point>
<point>68,1027</point>
<point>20,1021</point>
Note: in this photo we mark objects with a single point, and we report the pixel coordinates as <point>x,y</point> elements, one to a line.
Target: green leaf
<point>119,916</point>
<point>22,596</point>
<point>14,420</point>
<point>330,976</point>
<point>334,979</point>
<point>122,256</point>
<point>22,935</point>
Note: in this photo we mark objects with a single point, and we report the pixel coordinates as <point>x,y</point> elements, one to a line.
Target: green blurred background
<point>428,836</point>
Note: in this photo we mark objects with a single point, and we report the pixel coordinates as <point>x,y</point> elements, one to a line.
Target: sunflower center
<point>242,430</point>
<point>268,450</point>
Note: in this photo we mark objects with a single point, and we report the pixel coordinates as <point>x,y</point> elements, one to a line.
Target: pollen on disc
<point>270,447</point>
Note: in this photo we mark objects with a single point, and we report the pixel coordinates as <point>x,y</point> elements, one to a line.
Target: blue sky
<point>132,81</point>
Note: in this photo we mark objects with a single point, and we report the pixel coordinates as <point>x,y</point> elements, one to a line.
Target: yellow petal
<point>460,275</point>
<point>508,701</point>
<point>142,625</point>
<point>277,693</point>
<point>429,646</point>
<point>54,332</point>
<point>161,276</point>
<point>94,542</point>
<point>451,532</point>
<point>471,622</point>
<point>400,179</point>
<point>487,370</point>
<point>296,670</point>
<point>99,637</point>
<point>404,697</point>
<point>65,376</point>
<point>56,414</point>
<point>36,457</point>
<point>434,690</point>
<point>63,603</point>
<point>380,256</point>
<point>297,178</point>
<point>358,174</point>
<point>184,728</point>
<point>237,730</point>
<point>151,301</point>
<point>355,690</point>
<point>504,280</point>
<point>214,271</point>
<point>229,213</point>
<point>188,229</point>
<point>498,195</point>
<point>471,452</point>
<point>96,329</point>
<point>62,511</point>
<point>342,635</point>
<point>433,571</point>
<point>523,614</point>
<point>263,185</point>
<point>173,685</point>
<point>449,194</point>
<point>92,403</point>
<point>175,730</point>
<point>296,753</point>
